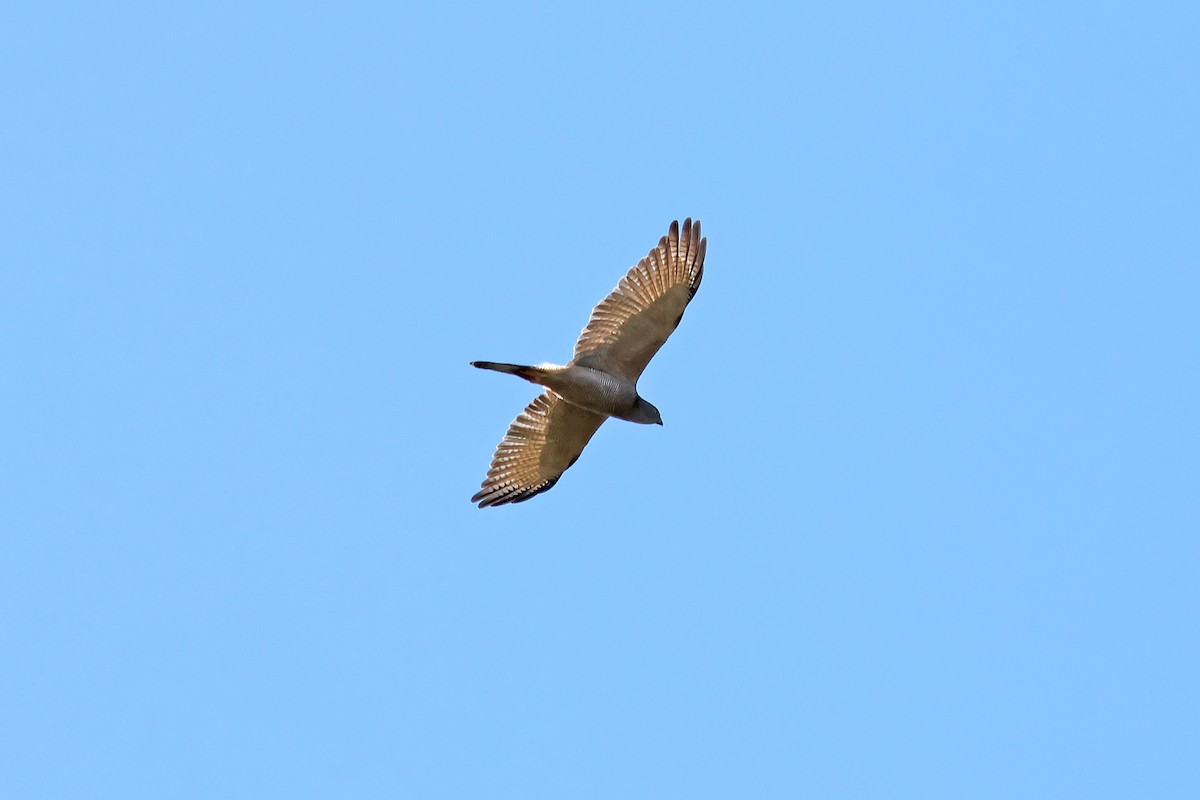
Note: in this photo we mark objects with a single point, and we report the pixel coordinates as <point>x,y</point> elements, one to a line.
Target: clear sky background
<point>922,521</point>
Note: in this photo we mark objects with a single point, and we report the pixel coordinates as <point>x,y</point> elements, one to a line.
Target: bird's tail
<point>528,373</point>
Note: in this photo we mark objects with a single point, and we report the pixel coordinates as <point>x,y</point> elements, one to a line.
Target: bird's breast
<point>594,390</point>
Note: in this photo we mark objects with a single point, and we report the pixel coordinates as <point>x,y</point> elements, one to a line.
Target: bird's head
<point>646,413</point>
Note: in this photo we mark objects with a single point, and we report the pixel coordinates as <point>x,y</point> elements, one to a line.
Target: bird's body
<point>623,334</point>
<point>589,389</point>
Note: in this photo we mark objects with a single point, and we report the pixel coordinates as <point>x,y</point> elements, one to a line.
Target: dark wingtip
<point>488,498</point>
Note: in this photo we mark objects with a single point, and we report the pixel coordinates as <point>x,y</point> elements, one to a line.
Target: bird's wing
<point>628,327</point>
<point>541,443</point>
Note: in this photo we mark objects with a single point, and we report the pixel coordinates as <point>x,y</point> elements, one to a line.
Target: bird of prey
<point>600,381</point>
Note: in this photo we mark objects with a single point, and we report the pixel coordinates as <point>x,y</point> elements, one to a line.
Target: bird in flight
<point>600,381</point>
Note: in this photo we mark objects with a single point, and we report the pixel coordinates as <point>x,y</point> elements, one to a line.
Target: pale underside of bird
<point>600,381</point>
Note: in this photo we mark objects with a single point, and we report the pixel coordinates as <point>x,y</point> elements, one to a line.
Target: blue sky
<point>922,520</point>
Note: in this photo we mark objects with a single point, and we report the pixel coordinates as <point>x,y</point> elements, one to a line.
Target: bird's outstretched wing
<point>631,324</point>
<point>541,443</point>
